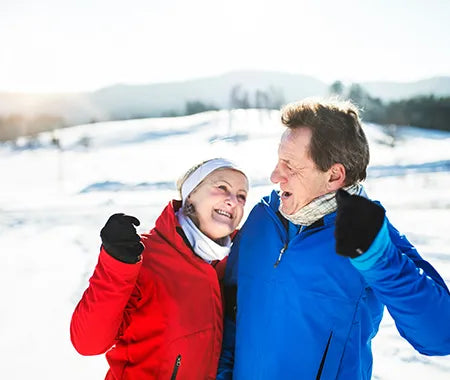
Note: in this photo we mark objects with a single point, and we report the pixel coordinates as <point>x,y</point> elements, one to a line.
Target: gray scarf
<point>318,207</point>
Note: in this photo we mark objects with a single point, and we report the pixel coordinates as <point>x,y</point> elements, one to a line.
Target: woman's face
<point>219,202</point>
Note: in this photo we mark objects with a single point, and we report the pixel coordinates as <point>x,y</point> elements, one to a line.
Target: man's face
<point>299,179</point>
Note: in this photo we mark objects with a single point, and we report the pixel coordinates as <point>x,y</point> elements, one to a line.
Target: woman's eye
<point>242,198</point>
<point>222,187</point>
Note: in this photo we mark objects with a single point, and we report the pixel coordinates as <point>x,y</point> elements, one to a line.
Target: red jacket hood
<point>167,223</point>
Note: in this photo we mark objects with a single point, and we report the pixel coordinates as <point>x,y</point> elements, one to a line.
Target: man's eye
<point>222,187</point>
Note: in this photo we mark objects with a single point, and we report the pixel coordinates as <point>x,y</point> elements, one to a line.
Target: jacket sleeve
<point>99,314</point>
<point>226,362</point>
<point>412,290</point>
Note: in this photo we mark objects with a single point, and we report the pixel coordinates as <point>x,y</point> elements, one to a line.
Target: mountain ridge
<point>124,101</point>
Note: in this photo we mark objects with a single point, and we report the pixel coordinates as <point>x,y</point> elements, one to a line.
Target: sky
<point>67,46</point>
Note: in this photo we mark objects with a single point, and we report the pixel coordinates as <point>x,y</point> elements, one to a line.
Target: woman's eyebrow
<point>219,180</point>
<point>229,184</point>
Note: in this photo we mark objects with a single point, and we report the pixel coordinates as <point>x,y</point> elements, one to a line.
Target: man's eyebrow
<point>287,161</point>
<point>294,164</point>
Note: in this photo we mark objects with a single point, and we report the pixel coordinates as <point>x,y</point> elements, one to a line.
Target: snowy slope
<point>53,203</point>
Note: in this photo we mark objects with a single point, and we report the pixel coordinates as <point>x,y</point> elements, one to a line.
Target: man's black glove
<point>358,222</point>
<point>120,239</point>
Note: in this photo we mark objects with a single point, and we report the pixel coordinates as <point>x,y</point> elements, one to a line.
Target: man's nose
<point>276,176</point>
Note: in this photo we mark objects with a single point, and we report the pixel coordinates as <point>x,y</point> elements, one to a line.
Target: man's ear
<point>336,178</point>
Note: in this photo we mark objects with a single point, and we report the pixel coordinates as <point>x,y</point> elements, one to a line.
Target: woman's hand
<point>120,240</point>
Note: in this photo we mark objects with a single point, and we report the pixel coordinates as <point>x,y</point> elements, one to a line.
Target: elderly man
<point>315,263</point>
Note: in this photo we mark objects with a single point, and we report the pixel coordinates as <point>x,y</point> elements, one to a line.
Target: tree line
<point>239,98</point>
<point>428,111</point>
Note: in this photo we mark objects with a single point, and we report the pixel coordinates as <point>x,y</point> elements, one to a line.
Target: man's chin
<point>286,210</point>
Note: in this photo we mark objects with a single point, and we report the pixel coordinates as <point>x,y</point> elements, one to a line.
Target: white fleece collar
<point>203,246</point>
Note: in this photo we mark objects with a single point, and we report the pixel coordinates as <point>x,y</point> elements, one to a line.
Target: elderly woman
<point>156,298</point>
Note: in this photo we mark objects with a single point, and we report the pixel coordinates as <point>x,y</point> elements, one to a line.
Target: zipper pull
<point>280,255</point>
<point>176,367</point>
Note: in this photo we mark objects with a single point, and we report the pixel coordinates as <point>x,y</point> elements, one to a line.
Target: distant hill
<point>131,101</point>
<point>163,97</point>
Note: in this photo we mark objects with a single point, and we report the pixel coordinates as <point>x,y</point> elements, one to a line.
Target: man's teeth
<point>221,212</point>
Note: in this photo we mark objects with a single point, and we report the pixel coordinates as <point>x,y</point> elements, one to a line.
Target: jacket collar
<point>167,225</point>
<point>273,202</point>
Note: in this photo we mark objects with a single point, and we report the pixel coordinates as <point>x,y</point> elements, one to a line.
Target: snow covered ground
<point>53,203</point>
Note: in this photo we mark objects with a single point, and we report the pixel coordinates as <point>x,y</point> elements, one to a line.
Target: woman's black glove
<point>358,222</point>
<point>120,239</point>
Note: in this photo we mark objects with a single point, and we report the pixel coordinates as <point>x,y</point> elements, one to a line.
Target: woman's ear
<point>336,178</point>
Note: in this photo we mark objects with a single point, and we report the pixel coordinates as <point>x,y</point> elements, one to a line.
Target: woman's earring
<point>189,209</point>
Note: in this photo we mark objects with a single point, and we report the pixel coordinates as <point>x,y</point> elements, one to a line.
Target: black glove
<point>358,222</point>
<point>120,239</point>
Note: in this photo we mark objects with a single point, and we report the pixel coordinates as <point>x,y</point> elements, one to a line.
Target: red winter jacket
<point>163,315</point>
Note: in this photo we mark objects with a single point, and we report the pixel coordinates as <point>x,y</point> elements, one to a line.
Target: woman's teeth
<point>221,212</point>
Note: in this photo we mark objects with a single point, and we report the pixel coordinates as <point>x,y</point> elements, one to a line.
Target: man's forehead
<point>294,146</point>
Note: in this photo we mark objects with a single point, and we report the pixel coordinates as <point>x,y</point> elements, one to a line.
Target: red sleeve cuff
<point>117,266</point>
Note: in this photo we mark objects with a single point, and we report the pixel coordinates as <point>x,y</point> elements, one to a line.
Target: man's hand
<point>120,239</point>
<point>358,222</point>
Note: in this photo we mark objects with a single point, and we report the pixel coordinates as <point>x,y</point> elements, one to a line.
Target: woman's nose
<point>231,199</point>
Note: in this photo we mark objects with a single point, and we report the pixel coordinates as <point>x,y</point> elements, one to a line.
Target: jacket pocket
<point>189,357</point>
<point>176,366</point>
<point>324,357</point>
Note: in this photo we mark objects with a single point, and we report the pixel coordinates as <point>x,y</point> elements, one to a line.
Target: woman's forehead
<point>233,177</point>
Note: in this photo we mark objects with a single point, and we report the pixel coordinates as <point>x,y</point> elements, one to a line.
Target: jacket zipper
<point>176,367</point>
<point>280,256</point>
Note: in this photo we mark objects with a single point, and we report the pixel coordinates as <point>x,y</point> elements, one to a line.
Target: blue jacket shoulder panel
<point>402,243</point>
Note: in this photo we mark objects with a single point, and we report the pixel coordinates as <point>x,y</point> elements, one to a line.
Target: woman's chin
<point>219,231</point>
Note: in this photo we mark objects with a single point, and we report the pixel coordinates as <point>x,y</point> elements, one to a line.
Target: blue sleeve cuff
<point>376,250</point>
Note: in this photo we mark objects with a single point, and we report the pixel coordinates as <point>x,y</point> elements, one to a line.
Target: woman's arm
<point>99,314</point>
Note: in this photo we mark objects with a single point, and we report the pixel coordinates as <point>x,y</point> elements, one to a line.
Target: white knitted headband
<point>202,171</point>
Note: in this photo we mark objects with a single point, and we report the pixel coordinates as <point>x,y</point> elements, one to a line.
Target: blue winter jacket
<point>313,314</point>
